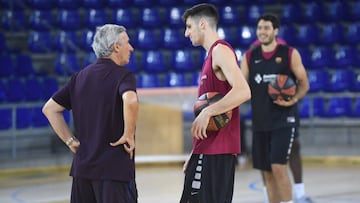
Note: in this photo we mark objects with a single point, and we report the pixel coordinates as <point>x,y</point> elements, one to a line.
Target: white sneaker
<point>304,199</point>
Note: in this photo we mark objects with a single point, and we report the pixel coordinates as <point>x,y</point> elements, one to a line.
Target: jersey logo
<point>278,59</point>
<point>258,61</point>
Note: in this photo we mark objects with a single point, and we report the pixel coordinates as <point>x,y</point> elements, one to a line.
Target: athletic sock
<point>299,190</point>
<point>266,197</point>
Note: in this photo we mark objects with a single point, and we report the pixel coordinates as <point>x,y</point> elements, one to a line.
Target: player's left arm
<point>299,71</point>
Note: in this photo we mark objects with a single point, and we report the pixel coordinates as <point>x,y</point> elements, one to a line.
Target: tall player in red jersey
<point>211,166</point>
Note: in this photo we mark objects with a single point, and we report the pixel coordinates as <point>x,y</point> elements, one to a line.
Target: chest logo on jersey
<point>278,59</point>
<point>266,78</point>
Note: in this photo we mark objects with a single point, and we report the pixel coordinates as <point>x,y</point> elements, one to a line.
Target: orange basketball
<point>216,122</point>
<point>283,88</point>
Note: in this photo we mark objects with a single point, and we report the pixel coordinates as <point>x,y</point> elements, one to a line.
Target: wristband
<point>70,140</point>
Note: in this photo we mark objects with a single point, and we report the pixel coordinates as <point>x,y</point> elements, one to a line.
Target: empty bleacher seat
<point>227,34</point>
<point>289,33</point>
<point>307,34</point>
<point>49,86</point>
<point>146,39</point>
<point>93,3</point>
<point>66,64</point>
<point>68,4</point>
<point>23,117</point>
<point>148,80</point>
<point>353,13</point>
<point>173,17</point>
<point>305,54</point>
<point>124,17</point>
<point>14,4</point>
<point>352,33</point>
<point>340,80</point>
<point>195,78</point>
<point>332,33</point>
<point>182,61</point>
<point>69,19</point>
<point>312,12</point>
<point>346,56</point>
<point>356,108</point>
<point>40,42</point>
<point>118,3</point>
<point>15,90</point>
<point>66,41</point>
<point>319,106</point>
<point>150,17</point>
<point>7,66</point>
<point>38,118</point>
<point>3,93</point>
<point>87,37</point>
<point>132,65</point>
<point>24,65</point>
<point>355,81</point>
<point>175,80</point>
<point>41,4</point>
<point>3,44</point>
<point>339,107</point>
<point>336,11</point>
<point>322,56</point>
<point>253,12</point>
<point>154,62</point>
<point>95,17</point>
<point>5,118</point>
<point>246,35</point>
<point>172,39</point>
<point>229,15</point>
<point>41,20</point>
<point>318,80</point>
<point>304,107</point>
<point>14,20</point>
<point>33,90</point>
<point>89,58</point>
<point>290,13</point>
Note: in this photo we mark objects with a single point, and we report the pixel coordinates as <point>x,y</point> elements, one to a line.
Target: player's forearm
<point>130,118</point>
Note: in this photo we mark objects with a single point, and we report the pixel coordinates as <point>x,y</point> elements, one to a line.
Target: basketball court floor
<point>326,182</point>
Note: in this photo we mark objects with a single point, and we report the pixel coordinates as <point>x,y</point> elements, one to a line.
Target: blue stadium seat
<point>253,12</point>
<point>318,80</point>
<point>119,3</point>
<point>352,34</point>
<point>153,62</point>
<point>167,3</point>
<point>15,5</point>
<point>312,12</point>
<point>49,86</point>
<point>355,81</point>
<point>87,37</point>
<point>41,20</point>
<point>346,56</point>
<point>148,80</point>
<point>229,15</point>
<point>33,90</point>
<point>319,106</point>
<point>95,17</point>
<point>143,3</point>
<point>98,4</point>
<point>289,33</point>
<point>182,61</point>
<point>14,20</point>
<point>66,64</point>
<point>332,33</point>
<point>239,54</point>
<point>7,66</point>
<point>24,65</point>
<point>290,13</point>
<point>132,65</point>
<point>38,118</point>
<point>336,11</point>
<point>66,41</point>
<point>15,90</point>
<point>68,4</point>
<point>175,80</point>
<point>40,42</point>
<point>339,107</point>
<point>3,44</point>
<point>322,56</point>
<point>3,92</point>
<point>195,78</point>
<point>146,39</point>
<point>246,35</point>
<point>356,109</point>
<point>150,17</point>
<point>173,17</point>
<point>69,19</point>
<point>24,117</point>
<point>41,4</point>
<point>227,34</point>
<point>353,13</point>
<point>304,107</point>
<point>89,58</point>
<point>5,118</point>
<point>172,39</point>
<point>340,80</point>
<point>307,34</point>
<point>305,54</point>
<point>125,17</point>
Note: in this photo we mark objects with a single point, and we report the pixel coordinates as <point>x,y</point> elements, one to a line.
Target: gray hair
<point>105,37</point>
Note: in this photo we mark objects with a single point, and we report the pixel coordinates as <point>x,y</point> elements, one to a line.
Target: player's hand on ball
<point>129,145</point>
<point>199,126</point>
<point>285,103</point>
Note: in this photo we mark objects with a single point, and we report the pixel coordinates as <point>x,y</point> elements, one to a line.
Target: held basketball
<point>282,88</point>
<point>216,122</point>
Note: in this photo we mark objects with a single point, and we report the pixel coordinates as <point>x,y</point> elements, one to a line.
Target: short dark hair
<point>270,17</point>
<point>204,9</point>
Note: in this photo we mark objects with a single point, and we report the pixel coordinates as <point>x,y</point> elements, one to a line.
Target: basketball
<point>282,88</point>
<point>216,122</point>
